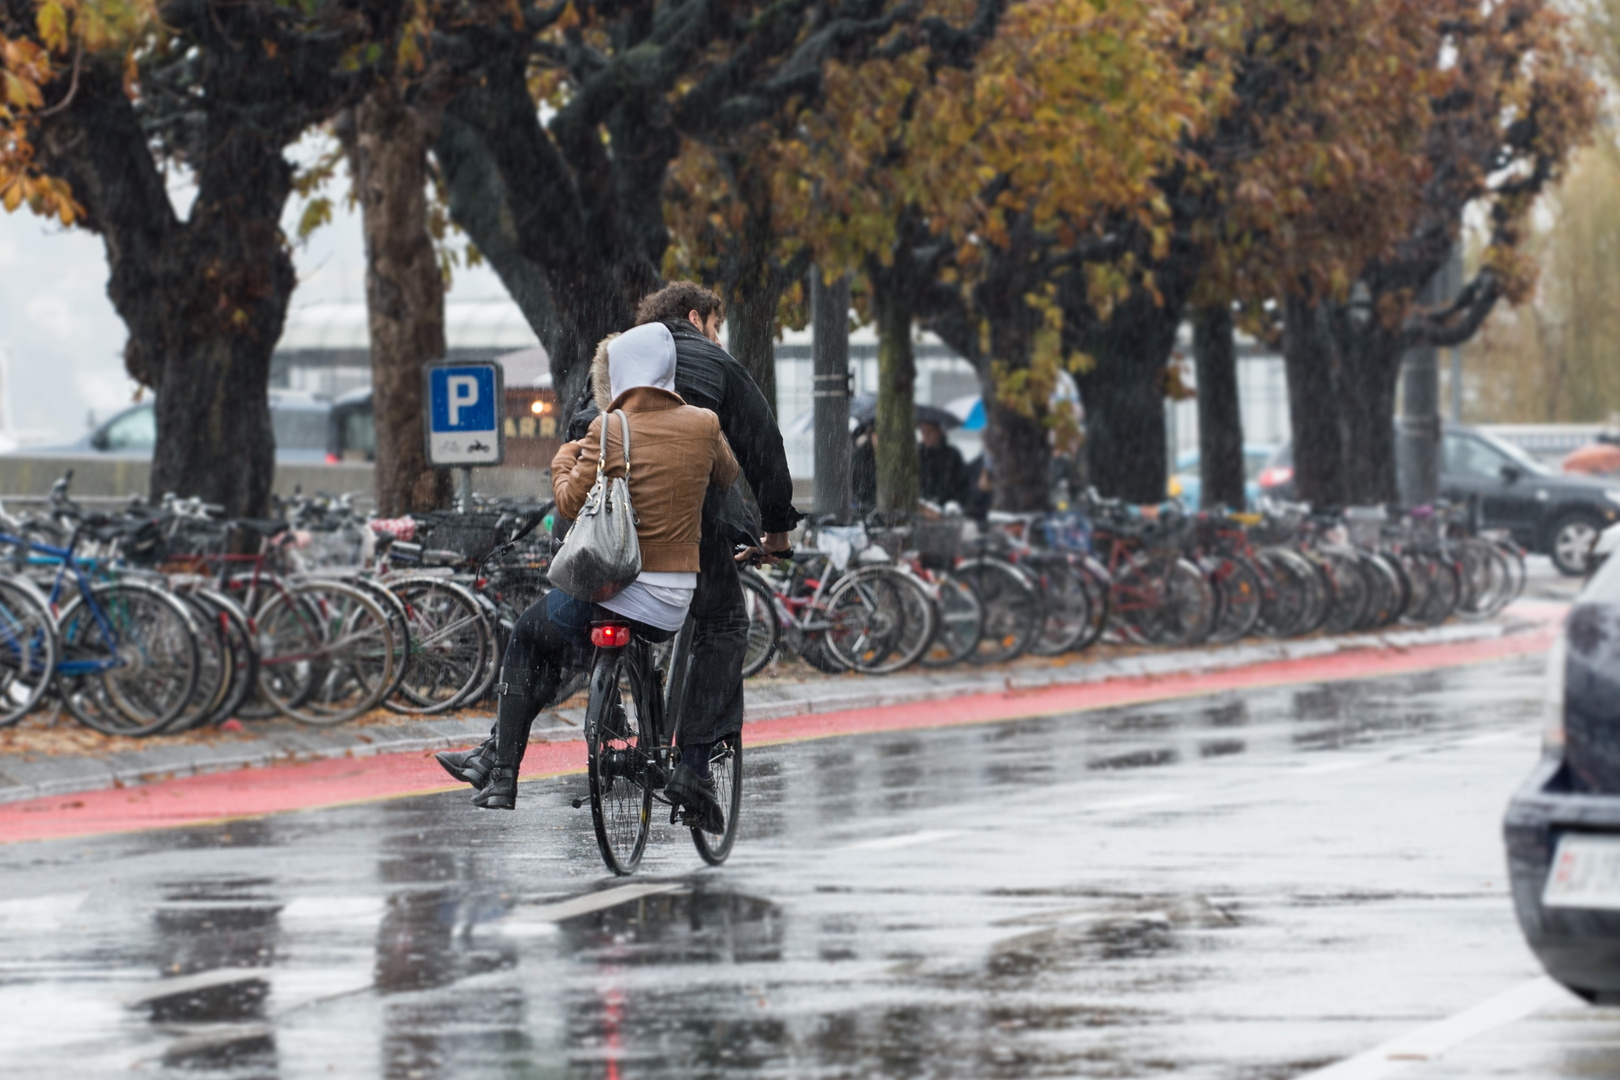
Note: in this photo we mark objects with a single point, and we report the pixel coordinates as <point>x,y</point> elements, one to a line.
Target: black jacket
<point>708,376</point>
<point>943,475</point>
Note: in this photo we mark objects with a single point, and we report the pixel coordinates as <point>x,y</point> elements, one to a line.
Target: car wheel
<point>1572,538</point>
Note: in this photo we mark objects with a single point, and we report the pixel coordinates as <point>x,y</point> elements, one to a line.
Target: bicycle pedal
<point>578,803</point>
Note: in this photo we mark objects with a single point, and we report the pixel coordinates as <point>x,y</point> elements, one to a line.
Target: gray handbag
<point>601,554</point>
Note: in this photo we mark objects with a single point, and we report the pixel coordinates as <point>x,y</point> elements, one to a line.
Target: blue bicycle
<point>126,653</point>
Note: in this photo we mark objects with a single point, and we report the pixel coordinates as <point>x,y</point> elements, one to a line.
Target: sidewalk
<point>37,759</point>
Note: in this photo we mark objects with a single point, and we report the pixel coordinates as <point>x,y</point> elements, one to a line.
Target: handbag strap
<point>601,454</point>
<point>624,426</point>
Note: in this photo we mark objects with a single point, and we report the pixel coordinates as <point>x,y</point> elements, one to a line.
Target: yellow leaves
<point>46,196</point>
<point>317,212</point>
<point>21,93</point>
<point>52,22</point>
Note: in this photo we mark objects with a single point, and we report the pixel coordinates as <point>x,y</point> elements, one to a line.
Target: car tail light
<point>610,636</point>
<point>1552,696</point>
<point>1276,475</point>
<point>333,459</point>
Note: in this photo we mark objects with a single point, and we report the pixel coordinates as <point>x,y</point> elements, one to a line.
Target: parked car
<point>1563,825</point>
<point>299,421</point>
<point>1555,514</point>
<point>351,428</point>
<point>1187,484</point>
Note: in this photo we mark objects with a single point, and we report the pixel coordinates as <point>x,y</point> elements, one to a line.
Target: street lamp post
<point>829,350</point>
<point>1418,461</point>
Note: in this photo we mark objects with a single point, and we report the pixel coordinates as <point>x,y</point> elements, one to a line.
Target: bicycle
<point>632,733</point>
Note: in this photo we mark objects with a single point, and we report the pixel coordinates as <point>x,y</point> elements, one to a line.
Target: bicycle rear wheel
<point>244,654</point>
<point>27,649</point>
<point>725,766</point>
<point>217,666</point>
<point>1238,584</point>
<point>764,628</point>
<point>961,623</point>
<point>1351,591</point>
<point>619,740</point>
<point>1012,609</point>
<point>1067,606</point>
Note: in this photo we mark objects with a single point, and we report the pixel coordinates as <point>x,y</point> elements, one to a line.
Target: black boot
<point>470,766</point>
<point>696,795</point>
<point>500,792</point>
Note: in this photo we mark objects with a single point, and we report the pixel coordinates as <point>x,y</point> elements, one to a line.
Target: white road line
<point>889,843</point>
<point>584,905</point>
<point>1335,766</point>
<point>1495,737</point>
<point>1139,800</point>
<point>1435,1039</point>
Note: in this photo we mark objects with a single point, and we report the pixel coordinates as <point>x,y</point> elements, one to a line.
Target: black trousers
<point>713,707</point>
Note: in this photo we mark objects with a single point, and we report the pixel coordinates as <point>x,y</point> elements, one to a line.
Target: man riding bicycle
<point>708,377</point>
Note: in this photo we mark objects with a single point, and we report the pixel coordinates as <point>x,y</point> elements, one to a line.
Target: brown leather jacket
<point>676,452</point>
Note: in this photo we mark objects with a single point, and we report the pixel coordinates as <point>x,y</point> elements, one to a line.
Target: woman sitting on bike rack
<point>676,452</point>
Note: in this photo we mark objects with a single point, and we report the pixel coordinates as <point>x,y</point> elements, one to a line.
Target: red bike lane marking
<point>214,798</point>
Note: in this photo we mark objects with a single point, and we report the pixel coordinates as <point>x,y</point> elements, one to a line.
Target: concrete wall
<point>102,477</point>
<point>26,474</point>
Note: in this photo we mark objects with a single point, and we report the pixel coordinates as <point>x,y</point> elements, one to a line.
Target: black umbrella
<point>863,410</point>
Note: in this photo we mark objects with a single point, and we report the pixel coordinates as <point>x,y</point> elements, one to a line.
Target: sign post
<point>465,400</point>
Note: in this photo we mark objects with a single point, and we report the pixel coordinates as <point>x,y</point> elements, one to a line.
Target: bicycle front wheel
<point>725,766</point>
<point>129,658</point>
<point>326,654</point>
<point>764,628</point>
<point>450,645</point>
<point>882,620</point>
<point>620,722</point>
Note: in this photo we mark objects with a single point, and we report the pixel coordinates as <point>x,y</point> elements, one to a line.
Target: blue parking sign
<point>465,406</point>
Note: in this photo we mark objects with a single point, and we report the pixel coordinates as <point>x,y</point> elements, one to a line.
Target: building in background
<point>325,348</point>
<point>325,351</point>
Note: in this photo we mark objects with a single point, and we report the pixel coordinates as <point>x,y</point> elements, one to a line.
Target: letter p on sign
<point>463,394</point>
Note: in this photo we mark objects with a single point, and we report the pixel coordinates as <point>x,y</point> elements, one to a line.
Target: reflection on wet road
<point>1242,887</point>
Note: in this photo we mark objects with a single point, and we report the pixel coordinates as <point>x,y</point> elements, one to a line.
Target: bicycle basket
<point>937,543</point>
<point>472,535</point>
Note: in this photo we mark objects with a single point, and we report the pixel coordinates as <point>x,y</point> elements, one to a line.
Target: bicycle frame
<point>83,582</point>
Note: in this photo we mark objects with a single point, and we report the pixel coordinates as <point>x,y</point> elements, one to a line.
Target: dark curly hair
<point>672,303</point>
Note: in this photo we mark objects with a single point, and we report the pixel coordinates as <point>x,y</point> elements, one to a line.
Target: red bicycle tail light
<point>610,636</point>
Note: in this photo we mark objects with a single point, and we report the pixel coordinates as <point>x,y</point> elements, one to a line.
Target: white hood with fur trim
<point>643,356</point>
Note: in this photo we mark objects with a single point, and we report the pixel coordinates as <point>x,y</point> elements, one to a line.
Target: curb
<point>287,743</point>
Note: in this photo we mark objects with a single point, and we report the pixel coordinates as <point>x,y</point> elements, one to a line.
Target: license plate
<point>1585,873</point>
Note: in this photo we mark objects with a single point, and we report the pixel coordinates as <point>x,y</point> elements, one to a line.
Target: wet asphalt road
<point>1241,887</point>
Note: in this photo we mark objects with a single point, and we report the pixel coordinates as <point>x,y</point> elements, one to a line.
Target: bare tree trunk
<point>751,328</point>
<point>204,299</point>
<point>1220,420</point>
<point>898,467</point>
<point>1124,399</point>
<point>1313,406</point>
<point>1369,367</point>
<point>387,140</point>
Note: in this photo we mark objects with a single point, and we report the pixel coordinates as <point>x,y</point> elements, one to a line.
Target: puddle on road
<point>704,926</point>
